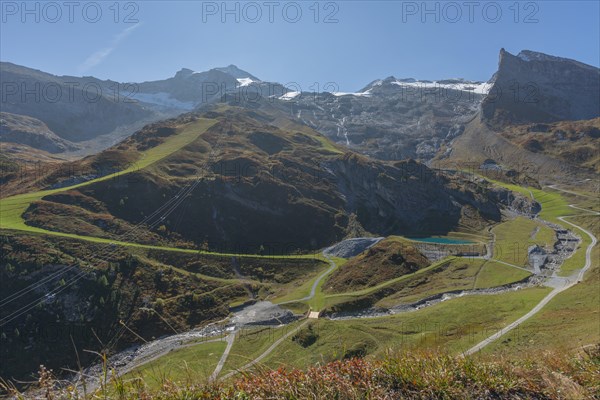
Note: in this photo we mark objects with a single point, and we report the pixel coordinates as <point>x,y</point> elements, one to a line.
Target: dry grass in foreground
<point>409,375</point>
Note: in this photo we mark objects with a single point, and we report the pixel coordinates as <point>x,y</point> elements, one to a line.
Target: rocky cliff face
<point>534,87</point>
<point>390,119</point>
<point>408,197</point>
<point>31,132</point>
<point>290,188</point>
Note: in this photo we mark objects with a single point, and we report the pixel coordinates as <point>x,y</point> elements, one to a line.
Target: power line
<point>166,210</point>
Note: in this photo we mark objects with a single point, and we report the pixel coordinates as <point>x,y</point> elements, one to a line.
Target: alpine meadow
<point>299,200</point>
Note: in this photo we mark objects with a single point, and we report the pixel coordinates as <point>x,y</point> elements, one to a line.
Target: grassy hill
<point>388,259</point>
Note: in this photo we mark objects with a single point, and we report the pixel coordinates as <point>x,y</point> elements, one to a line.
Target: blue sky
<point>348,42</point>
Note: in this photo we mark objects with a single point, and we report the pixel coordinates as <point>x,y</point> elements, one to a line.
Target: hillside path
<point>559,285</point>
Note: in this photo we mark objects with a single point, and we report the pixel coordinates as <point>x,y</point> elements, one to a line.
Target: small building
<point>537,257</point>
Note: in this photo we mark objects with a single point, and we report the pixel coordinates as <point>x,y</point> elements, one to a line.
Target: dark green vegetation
<point>152,292</point>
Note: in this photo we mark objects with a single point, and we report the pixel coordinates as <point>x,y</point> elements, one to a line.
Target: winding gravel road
<point>129,360</point>
<point>262,312</point>
<point>230,339</point>
<point>346,248</point>
<point>267,352</point>
<point>559,284</point>
<point>313,289</point>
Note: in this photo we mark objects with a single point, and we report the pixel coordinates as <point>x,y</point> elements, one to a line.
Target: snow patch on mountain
<point>453,84</point>
<point>528,55</point>
<point>245,82</point>
<point>366,93</point>
<point>289,95</point>
<point>524,56</point>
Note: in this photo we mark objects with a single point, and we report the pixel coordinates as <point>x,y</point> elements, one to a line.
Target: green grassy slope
<point>12,208</point>
<point>455,324</point>
<point>494,274</point>
<point>189,365</point>
<point>570,320</point>
<point>514,237</point>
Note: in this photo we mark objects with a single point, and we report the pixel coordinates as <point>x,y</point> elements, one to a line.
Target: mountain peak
<point>553,89</point>
<point>530,55</point>
<point>184,73</point>
<point>236,72</point>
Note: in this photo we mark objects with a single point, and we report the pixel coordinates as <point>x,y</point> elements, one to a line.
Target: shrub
<point>305,337</point>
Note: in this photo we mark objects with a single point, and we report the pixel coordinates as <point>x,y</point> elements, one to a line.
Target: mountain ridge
<point>389,119</point>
